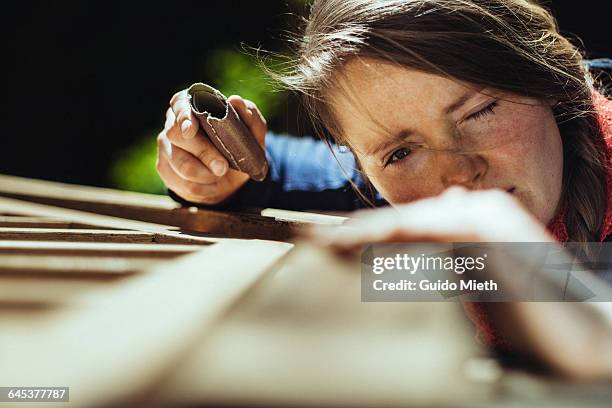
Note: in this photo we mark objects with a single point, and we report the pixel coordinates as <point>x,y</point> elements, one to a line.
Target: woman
<point>476,120</point>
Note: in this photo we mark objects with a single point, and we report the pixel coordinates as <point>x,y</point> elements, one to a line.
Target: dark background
<point>83,81</point>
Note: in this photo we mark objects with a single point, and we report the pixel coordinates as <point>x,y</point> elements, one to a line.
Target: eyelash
<point>392,162</point>
<point>489,109</point>
<point>484,112</point>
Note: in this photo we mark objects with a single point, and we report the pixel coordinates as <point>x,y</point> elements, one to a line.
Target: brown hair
<point>512,45</point>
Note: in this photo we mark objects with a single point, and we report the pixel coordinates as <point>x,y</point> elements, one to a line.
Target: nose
<point>465,170</point>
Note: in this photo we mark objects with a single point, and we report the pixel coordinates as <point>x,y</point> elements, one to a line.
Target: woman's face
<point>415,134</point>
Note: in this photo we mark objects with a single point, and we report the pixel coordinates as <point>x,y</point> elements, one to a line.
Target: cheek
<point>535,147</point>
<point>532,159</point>
<point>518,145</point>
<point>398,189</point>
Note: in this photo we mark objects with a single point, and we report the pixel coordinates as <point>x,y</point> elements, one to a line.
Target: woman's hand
<point>188,162</point>
<point>456,215</point>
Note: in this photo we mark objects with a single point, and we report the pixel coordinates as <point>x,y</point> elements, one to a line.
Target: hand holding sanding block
<point>227,132</point>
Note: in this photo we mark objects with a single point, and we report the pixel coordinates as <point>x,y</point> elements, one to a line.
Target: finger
<point>259,126</point>
<point>202,148</point>
<point>189,190</point>
<point>184,163</point>
<point>354,238</point>
<point>348,237</point>
<point>416,222</point>
<point>170,119</point>
<point>164,147</point>
<point>251,116</point>
<point>185,120</point>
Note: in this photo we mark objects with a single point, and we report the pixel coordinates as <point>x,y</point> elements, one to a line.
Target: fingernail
<point>185,126</point>
<point>218,167</point>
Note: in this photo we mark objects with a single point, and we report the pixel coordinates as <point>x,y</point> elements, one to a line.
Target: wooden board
<point>132,301</point>
<point>77,235</point>
<point>270,224</point>
<point>79,289</point>
<point>37,222</point>
<point>304,338</point>
<point>91,348</point>
<point>165,233</point>
<point>95,249</point>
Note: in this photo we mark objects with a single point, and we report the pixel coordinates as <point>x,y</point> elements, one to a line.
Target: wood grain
<point>249,223</point>
<point>78,235</point>
<point>108,222</point>
<point>71,266</point>
<point>37,222</point>
<point>163,311</point>
<point>95,249</point>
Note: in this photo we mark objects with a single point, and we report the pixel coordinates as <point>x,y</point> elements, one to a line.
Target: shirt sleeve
<point>303,175</point>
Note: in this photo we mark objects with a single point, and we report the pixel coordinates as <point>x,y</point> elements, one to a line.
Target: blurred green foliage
<point>134,168</point>
<point>232,72</point>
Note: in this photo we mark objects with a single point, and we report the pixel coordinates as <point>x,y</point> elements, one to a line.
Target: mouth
<point>511,190</point>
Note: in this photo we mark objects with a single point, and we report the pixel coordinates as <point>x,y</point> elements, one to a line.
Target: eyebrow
<point>393,140</point>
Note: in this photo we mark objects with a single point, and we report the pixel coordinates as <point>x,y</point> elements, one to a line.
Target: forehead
<point>376,97</point>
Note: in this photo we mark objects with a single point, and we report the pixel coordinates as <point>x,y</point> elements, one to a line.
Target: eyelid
<point>387,156</point>
<point>480,108</point>
<point>386,160</point>
<point>393,148</point>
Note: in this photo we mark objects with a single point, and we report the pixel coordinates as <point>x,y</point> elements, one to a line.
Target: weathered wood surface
<point>95,249</point>
<point>271,224</point>
<point>303,217</point>
<point>79,289</point>
<point>70,266</point>
<point>164,233</point>
<point>112,343</point>
<point>77,235</point>
<point>37,222</point>
<point>304,338</point>
<point>165,317</point>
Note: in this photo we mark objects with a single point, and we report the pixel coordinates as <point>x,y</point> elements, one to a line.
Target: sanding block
<point>228,133</point>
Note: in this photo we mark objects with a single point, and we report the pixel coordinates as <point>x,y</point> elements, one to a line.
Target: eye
<point>398,155</point>
<point>483,112</point>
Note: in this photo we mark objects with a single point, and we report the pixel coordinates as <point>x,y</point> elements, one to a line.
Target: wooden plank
<point>303,217</point>
<point>17,314</point>
<point>50,289</point>
<point>157,209</point>
<point>215,223</point>
<point>104,221</point>
<point>121,340</point>
<point>23,305</point>
<point>77,235</point>
<point>37,222</point>
<point>305,339</point>
<point>42,188</point>
<point>34,209</point>
<point>96,249</point>
<point>62,266</point>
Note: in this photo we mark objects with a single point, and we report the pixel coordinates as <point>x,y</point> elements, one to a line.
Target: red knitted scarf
<point>485,328</point>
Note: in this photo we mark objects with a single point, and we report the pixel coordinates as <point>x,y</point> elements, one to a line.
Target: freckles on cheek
<point>400,190</point>
<point>534,142</point>
<point>533,159</point>
<point>520,138</point>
